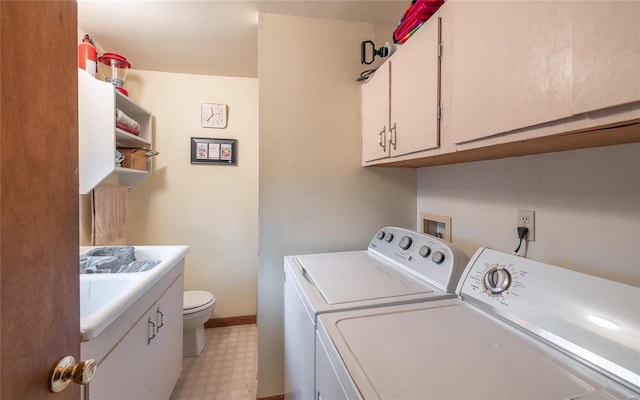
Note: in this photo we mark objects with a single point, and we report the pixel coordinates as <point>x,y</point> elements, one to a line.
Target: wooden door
<point>415,92</point>
<point>39,310</point>
<point>606,56</point>
<point>508,66</point>
<point>375,115</point>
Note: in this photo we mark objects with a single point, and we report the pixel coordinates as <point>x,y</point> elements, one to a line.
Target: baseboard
<point>230,321</point>
<point>274,397</point>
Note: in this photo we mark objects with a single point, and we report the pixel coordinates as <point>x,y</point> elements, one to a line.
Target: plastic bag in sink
<point>115,259</point>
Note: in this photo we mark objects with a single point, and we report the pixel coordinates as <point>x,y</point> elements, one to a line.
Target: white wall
<point>212,209</point>
<point>314,196</point>
<point>587,205</point>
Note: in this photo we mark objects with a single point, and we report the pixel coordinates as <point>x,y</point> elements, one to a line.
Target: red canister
<point>87,55</point>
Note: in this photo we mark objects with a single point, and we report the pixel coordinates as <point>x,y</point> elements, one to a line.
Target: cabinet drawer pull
<point>160,314</point>
<point>154,331</point>
<point>393,136</point>
<point>383,138</point>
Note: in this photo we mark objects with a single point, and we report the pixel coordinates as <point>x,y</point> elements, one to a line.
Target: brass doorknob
<point>66,370</point>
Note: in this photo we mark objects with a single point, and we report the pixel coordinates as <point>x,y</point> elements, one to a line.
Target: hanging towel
<point>109,214</point>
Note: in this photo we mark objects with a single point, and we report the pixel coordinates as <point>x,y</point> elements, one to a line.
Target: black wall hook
<point>381,52</point>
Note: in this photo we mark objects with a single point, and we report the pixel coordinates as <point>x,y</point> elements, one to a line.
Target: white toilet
<point>198,307</point>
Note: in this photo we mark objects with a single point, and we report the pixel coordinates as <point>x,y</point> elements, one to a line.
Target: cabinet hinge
<point>439,111</point>
<point>440,50</point>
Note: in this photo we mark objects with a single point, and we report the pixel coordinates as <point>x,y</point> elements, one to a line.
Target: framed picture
<point>214,151</point>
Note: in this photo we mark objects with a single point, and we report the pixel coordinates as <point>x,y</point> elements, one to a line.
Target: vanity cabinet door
<point>147,362</point>
<point>164,355</point>
<point>606,55</point>
<point>118,375</point>
<point>508,67</point>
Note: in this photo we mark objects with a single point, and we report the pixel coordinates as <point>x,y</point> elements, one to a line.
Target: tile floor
<point>226,369</point>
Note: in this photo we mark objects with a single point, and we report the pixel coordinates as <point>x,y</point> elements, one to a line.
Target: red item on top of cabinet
<point>87,55</point>
<point>415,15</point>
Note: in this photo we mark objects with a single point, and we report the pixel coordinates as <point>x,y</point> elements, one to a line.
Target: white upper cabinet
<point>400,102</point>
<point>375,115</point>
<point>510,67</point>
<point>98,136</point>
<point>606,54</point>
<point>415,92</point>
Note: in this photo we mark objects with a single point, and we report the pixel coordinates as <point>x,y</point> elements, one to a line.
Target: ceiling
<point>215,37</point>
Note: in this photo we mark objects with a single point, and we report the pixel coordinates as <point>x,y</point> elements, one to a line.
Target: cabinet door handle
<point>159,314</point>
<point>393,136</point>
<point>154,331</point>
<point>383,138</point>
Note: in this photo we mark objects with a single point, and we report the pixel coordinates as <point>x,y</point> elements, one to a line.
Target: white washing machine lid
<point>359,276</point>
<point>449,350</point>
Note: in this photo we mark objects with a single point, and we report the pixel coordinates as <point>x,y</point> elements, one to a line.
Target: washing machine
<point>399,266</point>
<point>519,329</point>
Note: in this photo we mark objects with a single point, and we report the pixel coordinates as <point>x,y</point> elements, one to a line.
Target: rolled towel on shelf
<point>126,128</point>
<point>126,120</point>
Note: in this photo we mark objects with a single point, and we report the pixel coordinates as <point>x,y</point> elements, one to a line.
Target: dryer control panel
<point>426,257</point>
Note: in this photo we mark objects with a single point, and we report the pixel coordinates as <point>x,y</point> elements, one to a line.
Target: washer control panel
<point>493,277</point>
<point>497,279</point>
<point>571,309</point>
<point>429,258</point>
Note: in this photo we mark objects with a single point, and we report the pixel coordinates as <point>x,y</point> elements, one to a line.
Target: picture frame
<point>214,151</point>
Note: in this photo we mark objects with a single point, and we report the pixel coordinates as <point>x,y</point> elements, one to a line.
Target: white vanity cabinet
<point>146,362</point>
<point>98,136</point>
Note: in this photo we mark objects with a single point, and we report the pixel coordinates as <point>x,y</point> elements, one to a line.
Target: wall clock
<point>213,115</point>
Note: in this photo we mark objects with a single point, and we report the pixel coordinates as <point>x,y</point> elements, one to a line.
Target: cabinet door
<point>509,64</point>
<point>375,115</point>
<point>415,92</point>
<point>606,57</point>
<point>119,374</point>
<point>164,355</point>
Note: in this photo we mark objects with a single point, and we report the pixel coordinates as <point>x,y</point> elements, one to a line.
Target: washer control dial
<point>437,257</point>
<point>380,235</point>
<point>425,251</point>
<point>405,242</point>
<point>497,279</point>
<point>388,237</point>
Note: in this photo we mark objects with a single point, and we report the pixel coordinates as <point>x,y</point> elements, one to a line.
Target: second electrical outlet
<point>528,218</point>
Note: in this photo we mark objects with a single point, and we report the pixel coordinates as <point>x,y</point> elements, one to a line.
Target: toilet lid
<point>197,298</point>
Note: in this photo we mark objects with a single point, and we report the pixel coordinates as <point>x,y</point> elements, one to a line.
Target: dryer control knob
<point>380,235</point>
<point>437,257</point>
<point>389,237</point>
<point>497,280</point>
<point>405,242</point>
<point>425,251</point>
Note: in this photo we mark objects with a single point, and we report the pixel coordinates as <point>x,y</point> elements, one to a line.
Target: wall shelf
<point>98,136</point>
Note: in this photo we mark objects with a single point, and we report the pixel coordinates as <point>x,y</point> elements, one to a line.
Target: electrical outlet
<point>527,218</point>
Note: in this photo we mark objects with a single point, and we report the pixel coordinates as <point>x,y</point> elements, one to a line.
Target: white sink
<point>104,297</point>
